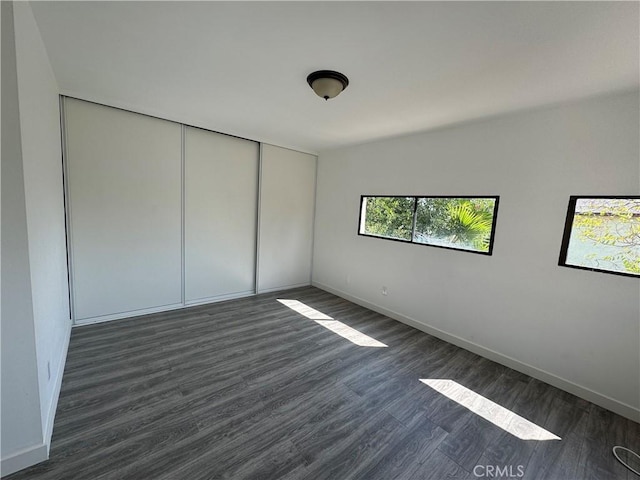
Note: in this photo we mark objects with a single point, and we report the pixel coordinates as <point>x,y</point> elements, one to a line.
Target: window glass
<point>462,223</point>
<point>390,217</point>
<point>603,234</point>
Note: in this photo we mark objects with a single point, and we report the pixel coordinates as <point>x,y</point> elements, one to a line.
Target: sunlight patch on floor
<point>304,310</point>
<point>337,327</point>
<point>498,415</point>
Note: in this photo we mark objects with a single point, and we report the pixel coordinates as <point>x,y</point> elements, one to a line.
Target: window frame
<point>415,208</point>
<point>566,235</point>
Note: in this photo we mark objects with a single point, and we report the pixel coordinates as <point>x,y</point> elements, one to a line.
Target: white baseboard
<point>178,306</point>
<point>219,298</point>
<point>53,406</point>
<point>129,314</point>
<point>40,452</point>
<point>604,401</point>
<point>283,287</point>
<point>23,459</point>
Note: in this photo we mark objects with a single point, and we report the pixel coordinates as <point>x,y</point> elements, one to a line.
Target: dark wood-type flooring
<point>252,389</point>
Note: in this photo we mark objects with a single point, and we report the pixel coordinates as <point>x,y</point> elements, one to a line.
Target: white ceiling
<point>241,67</point>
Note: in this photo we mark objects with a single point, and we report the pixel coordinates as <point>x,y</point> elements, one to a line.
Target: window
<point>388,217</point>
<point>602,234</point>
<point>460,223</point>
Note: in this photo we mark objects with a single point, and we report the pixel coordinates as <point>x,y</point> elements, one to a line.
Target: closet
<point>162,215</point>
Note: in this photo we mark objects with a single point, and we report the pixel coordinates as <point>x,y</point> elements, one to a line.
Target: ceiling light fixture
<point>327,83</point>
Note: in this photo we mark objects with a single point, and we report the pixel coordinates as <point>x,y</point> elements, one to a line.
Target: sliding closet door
<point>221,185</point>
<point>124,211</point>
<point>287,206</point>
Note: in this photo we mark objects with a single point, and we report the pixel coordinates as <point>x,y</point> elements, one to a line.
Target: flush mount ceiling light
<point>327,83</point>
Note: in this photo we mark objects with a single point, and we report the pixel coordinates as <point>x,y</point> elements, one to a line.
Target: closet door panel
<point>124,192</point>
<point>287,207</point>
<point>221,184</point>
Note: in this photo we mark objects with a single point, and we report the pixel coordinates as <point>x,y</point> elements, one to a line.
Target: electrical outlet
<point>384,290</point>
<point>48,370</point>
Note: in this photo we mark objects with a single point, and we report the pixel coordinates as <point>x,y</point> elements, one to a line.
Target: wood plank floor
<point>251,388</point>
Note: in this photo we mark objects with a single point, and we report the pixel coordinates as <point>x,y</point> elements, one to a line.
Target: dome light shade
<point>327,83</point>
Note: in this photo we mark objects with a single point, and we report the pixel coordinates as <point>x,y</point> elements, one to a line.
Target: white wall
<point>35,310</point>
<point>578,330</point>
<point>42,163</point>
<point>22,438</point>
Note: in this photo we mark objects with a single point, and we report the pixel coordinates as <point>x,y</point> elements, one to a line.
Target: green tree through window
<point>390,217</point>
<point>455,222</point>
<point>464,223</point>
<point>605,234</point>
